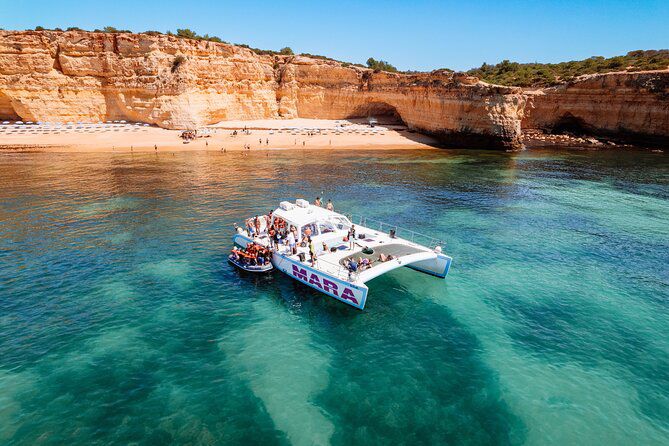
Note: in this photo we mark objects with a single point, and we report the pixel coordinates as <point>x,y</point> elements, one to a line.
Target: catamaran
<point>338,254</point>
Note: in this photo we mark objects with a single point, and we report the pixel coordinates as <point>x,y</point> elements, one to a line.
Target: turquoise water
<point>120,322</point>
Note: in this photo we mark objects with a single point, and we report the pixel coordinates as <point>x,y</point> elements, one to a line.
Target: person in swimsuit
<point>317,202</point>
<point>330,206</point>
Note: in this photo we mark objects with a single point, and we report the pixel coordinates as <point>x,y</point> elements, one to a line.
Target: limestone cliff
<point>182,83</point>
<point>625,107</point>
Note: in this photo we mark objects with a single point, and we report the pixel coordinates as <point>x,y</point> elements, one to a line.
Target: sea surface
<point>121,323</point>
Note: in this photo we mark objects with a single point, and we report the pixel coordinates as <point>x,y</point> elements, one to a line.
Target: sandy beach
<point>269,134</point>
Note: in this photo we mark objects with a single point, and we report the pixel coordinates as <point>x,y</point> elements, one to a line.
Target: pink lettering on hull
<point>326,285</point>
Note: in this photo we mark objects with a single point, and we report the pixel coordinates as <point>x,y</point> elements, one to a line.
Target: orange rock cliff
<point>627,107</point>
<point>181,83</point>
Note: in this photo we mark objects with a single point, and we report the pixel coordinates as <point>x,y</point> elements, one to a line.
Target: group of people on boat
<point>253,255</point>
<point>363,263</point>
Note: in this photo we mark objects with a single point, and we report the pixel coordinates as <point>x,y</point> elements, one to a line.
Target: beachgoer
<point>155,147</point>
<point>317,202</point>
<point>329,206</point>
<point>256,222</point>
<point>351,237</point>
<point>267,142</point>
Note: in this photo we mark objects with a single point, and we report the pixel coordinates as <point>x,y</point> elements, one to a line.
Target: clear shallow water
<point>120,322</point>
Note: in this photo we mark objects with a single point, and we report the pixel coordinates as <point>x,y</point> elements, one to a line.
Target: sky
<point>412,35</point>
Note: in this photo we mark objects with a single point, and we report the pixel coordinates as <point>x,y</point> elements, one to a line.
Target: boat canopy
<point>319,219</point>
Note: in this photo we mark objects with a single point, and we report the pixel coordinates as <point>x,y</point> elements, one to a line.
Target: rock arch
<point>7,111</point>
<point>382,111</point>
<point>568,123</point>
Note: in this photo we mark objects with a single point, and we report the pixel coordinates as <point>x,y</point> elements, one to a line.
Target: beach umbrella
<point>18,122</point>
<point>122,122</point>
<point>6,122</point>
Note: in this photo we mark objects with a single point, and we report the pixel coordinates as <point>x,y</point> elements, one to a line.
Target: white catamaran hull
<point>351,293</point>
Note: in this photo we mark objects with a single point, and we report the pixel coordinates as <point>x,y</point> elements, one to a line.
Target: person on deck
<point>329,206</point>
<point>312,252</point>
<point>272,236</point>
<point>290,240</point>
<point>317,202</point>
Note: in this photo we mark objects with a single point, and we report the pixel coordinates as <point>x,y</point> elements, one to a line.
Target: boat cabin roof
<point>300,216</point>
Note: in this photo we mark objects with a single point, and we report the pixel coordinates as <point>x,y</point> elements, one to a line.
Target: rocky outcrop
<point>623,107</point>
<point>182,83</point>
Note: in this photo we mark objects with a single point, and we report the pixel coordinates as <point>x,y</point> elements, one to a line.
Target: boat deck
<point>332,262</point>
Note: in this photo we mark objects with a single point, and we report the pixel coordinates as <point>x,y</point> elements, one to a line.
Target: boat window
<point>309,229</point>
<point>341,223</point>
<point>325,227</point>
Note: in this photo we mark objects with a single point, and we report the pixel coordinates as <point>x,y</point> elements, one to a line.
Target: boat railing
<point>396,231</point>
<point>337,270</point>
<point>334,269</point>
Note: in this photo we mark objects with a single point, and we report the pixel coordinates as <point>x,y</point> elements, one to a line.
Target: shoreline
<point>295,134</point>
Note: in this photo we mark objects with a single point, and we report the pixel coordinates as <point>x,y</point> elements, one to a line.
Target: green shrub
<point>537,74</point>
<point>176,63</point>
<point>39,28</point>
<point>186,33</point>
<point>286,51</point>
<point>380,65</point>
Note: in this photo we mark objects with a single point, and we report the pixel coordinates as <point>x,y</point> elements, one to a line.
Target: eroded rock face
<point>181,83</point>
<point>627,107</point>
